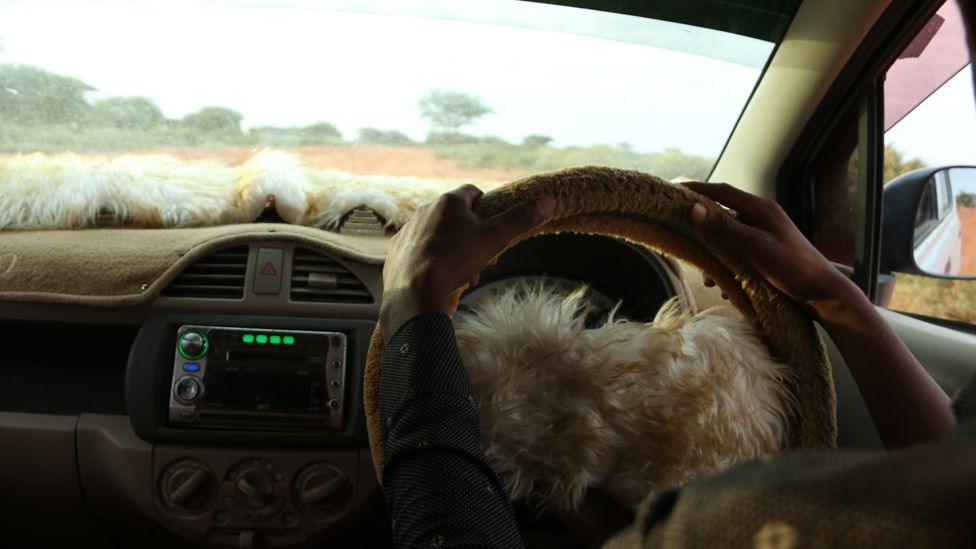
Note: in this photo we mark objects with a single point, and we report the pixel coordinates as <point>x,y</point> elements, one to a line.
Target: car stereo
<point>242,378</point>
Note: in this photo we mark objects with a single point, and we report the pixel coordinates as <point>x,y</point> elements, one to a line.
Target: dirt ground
<point>416,161</point>
<point>967,217</point>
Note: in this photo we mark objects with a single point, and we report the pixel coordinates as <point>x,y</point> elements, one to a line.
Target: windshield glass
<point>482,90</point>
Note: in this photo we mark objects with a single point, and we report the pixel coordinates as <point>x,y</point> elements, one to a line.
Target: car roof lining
<point>761,19</point>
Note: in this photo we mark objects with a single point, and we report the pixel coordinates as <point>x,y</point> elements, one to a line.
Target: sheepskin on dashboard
<point>69,191</point>
<point>626,406</point>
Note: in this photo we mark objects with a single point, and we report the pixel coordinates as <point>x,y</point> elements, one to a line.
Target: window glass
<point>930,120</point>
<point>480,90</point>
<point>834,179</point>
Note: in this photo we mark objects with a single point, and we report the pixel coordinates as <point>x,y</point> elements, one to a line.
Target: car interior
<point>188,368</point>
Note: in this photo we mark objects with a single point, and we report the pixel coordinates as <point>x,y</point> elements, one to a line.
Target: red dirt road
<point>967,219</point>
<point>415,161</point>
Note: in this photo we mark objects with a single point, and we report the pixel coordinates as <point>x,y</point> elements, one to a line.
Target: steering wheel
<point>648,211</point>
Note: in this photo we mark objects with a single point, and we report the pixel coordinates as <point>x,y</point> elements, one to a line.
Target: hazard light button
<point>267,271</point>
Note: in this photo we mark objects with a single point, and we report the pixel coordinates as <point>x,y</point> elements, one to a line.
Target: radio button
<point>188,389</point>
<point>193,345</point>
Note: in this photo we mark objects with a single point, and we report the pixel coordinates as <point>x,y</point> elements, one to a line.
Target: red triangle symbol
<point>269,269</point>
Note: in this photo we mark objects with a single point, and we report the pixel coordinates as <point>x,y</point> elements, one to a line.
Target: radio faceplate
<point>258,379</point>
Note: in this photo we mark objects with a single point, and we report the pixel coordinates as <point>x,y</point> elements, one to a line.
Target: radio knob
<point>255,488</point>
<point>322,489</point>
<point>193,345</point>
<point>187,485</point>
<point>188,389</point>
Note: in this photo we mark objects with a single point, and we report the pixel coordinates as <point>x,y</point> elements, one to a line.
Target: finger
<point>720,225</point>
<point>506,226</point>
<point>474,281</point>
<point>749,206</point>
<point>469,193</point>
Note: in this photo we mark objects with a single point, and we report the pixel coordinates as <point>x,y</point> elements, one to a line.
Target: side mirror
<point>929,223</point>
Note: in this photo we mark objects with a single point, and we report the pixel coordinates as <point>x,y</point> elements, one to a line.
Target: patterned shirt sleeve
<point>439,489</point>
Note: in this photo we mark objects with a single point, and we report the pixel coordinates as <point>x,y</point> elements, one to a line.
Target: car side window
<point>930,122</point>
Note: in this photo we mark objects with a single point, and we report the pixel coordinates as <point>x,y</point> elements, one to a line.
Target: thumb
<point>506,226</point>
<point>720,224</point>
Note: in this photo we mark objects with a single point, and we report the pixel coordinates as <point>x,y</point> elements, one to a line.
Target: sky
<point>298,66</point>
<point>942,129</point>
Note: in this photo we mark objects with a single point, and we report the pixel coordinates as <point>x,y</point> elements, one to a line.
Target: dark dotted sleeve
<point>438,486</point>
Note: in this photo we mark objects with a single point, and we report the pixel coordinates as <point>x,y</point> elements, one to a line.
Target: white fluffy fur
<point>627,406</point>
<point>67,191</point>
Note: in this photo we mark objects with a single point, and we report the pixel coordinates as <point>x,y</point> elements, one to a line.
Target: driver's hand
<point>443,248</point>
<point>766,238</point>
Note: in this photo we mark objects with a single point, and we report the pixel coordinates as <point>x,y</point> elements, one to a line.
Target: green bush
<point>372,136</point>
<point>77,138</point>
<point>138,113</point>
<point>535,141</point>
<point>214,120</point>
<point>30,95</point>
<point>668,164</point>
<point>322,133</point>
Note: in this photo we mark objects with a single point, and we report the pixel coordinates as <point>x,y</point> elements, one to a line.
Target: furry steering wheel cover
<point>648,211</point>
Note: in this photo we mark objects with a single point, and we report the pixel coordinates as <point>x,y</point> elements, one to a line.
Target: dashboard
<point>227,411</point>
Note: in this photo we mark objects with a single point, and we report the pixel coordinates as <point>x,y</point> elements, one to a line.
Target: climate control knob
<point>259,491</point>
<point>187,485</point>
<point>193,345</point>
<point>322,490</point>
<point>254,488</point>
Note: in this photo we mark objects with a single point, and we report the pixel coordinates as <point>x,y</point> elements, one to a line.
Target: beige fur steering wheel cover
<point>648,211</point>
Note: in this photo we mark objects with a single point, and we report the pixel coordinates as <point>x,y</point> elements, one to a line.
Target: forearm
<point>908,407</point>
<point>439,488</point>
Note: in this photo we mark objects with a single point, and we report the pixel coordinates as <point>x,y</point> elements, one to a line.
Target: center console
<point>256,425</point>
<point>258,378</point>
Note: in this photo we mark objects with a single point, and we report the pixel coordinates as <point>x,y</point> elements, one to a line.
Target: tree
<point>448,111</point>
<point>896,164</point>
<point>534,141</point>
<point>31,95</point>
<point>128,113</point>
<point>372,136</point>
<point>214,120</point>
<point>675,164</point>
<point>323,132</point>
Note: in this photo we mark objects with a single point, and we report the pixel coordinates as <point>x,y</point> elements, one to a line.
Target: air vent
<point>219,275</point>
<point>321,279</point>
<point>363,221</point>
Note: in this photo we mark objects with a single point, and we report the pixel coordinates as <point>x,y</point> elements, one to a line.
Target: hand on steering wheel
<point>443,248</point>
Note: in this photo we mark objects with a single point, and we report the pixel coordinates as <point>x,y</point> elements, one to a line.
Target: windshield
<point>481,90</point>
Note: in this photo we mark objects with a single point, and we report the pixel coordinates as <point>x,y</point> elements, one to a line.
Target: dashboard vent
<point>219,275</point>
<point>318,278</point>
<point>364,222</point>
